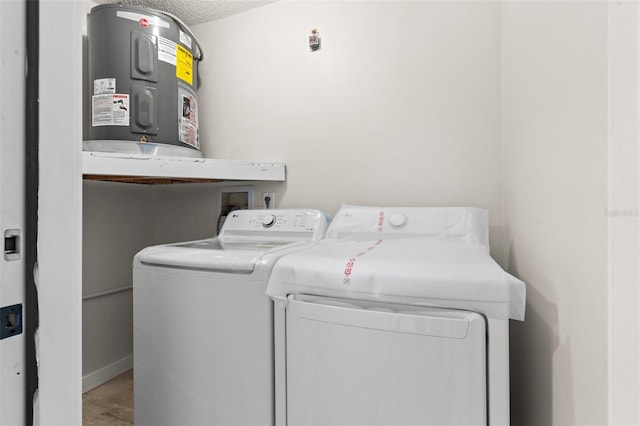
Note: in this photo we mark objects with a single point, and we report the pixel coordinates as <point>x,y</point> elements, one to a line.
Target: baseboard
<point>106,373</point>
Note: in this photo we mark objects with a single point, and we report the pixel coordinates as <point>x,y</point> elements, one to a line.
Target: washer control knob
<point>397,220</point>
<point>268,220</point>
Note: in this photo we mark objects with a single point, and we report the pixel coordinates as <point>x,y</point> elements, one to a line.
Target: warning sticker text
<point>167,50</point>
<point>110,110</point>
<point>187,117</point>
<point>104,85</point>
<point>184,65</point>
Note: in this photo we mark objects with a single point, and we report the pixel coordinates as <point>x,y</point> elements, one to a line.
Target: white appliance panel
<point>203,324</point>
<point>363,363</point>
<point>198,345</point>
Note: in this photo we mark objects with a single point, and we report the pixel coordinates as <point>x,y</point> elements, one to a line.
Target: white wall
<point>401,106</point>
<point>565,164</point>
<point>117,223</point>
<point>623,214</point>
<point>184,212</point>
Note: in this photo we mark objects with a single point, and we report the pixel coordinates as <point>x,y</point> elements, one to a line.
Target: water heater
<point>142,82</point>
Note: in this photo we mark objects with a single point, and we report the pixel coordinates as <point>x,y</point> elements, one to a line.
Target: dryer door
<point>361,363</point>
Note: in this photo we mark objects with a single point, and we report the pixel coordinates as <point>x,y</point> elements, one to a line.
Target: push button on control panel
<point>397,220</point>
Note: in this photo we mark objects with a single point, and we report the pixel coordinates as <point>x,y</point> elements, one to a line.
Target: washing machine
<point>399,317</point>
<point>203,324</point>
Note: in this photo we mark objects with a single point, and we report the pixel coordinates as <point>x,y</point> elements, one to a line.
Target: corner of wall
<point>623,213</point>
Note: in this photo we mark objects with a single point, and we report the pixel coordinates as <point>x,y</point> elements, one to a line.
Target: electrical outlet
<point>10,321</point>
<point>268,200</point>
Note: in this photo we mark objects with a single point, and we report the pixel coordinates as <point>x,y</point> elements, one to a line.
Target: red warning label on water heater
<point>188,117</point>
<point>110,110</point>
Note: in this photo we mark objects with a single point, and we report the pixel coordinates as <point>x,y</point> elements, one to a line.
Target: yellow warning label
<point>184,65</point>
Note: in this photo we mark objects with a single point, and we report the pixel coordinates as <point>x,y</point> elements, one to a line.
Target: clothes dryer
<point>399,316</point>
<point>203,332</point>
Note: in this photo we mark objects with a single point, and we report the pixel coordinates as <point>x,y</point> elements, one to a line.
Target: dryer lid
<point>414,271</point>
<point>434,257</point>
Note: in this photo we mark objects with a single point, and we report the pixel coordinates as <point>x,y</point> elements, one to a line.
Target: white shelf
<point>141,168</point>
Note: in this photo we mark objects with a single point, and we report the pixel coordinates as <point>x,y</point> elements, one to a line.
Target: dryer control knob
<point>397,220</point>
<point>268,220</point>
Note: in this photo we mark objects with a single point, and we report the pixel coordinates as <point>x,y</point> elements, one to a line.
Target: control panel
<point>284,221</point>
<point>465,224</point>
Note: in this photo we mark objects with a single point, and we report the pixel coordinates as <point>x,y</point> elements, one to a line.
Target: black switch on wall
<point>12,244</point>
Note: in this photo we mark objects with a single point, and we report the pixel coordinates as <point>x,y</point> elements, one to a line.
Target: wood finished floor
<point>110,404</point>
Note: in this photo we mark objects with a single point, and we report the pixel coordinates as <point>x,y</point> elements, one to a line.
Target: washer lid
<point>247,236</point>
<point>212,254</point>
<point>236,261</point>
<point>411,271</point>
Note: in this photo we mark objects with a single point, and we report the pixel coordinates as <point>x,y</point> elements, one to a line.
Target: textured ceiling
<point>193,12</point>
